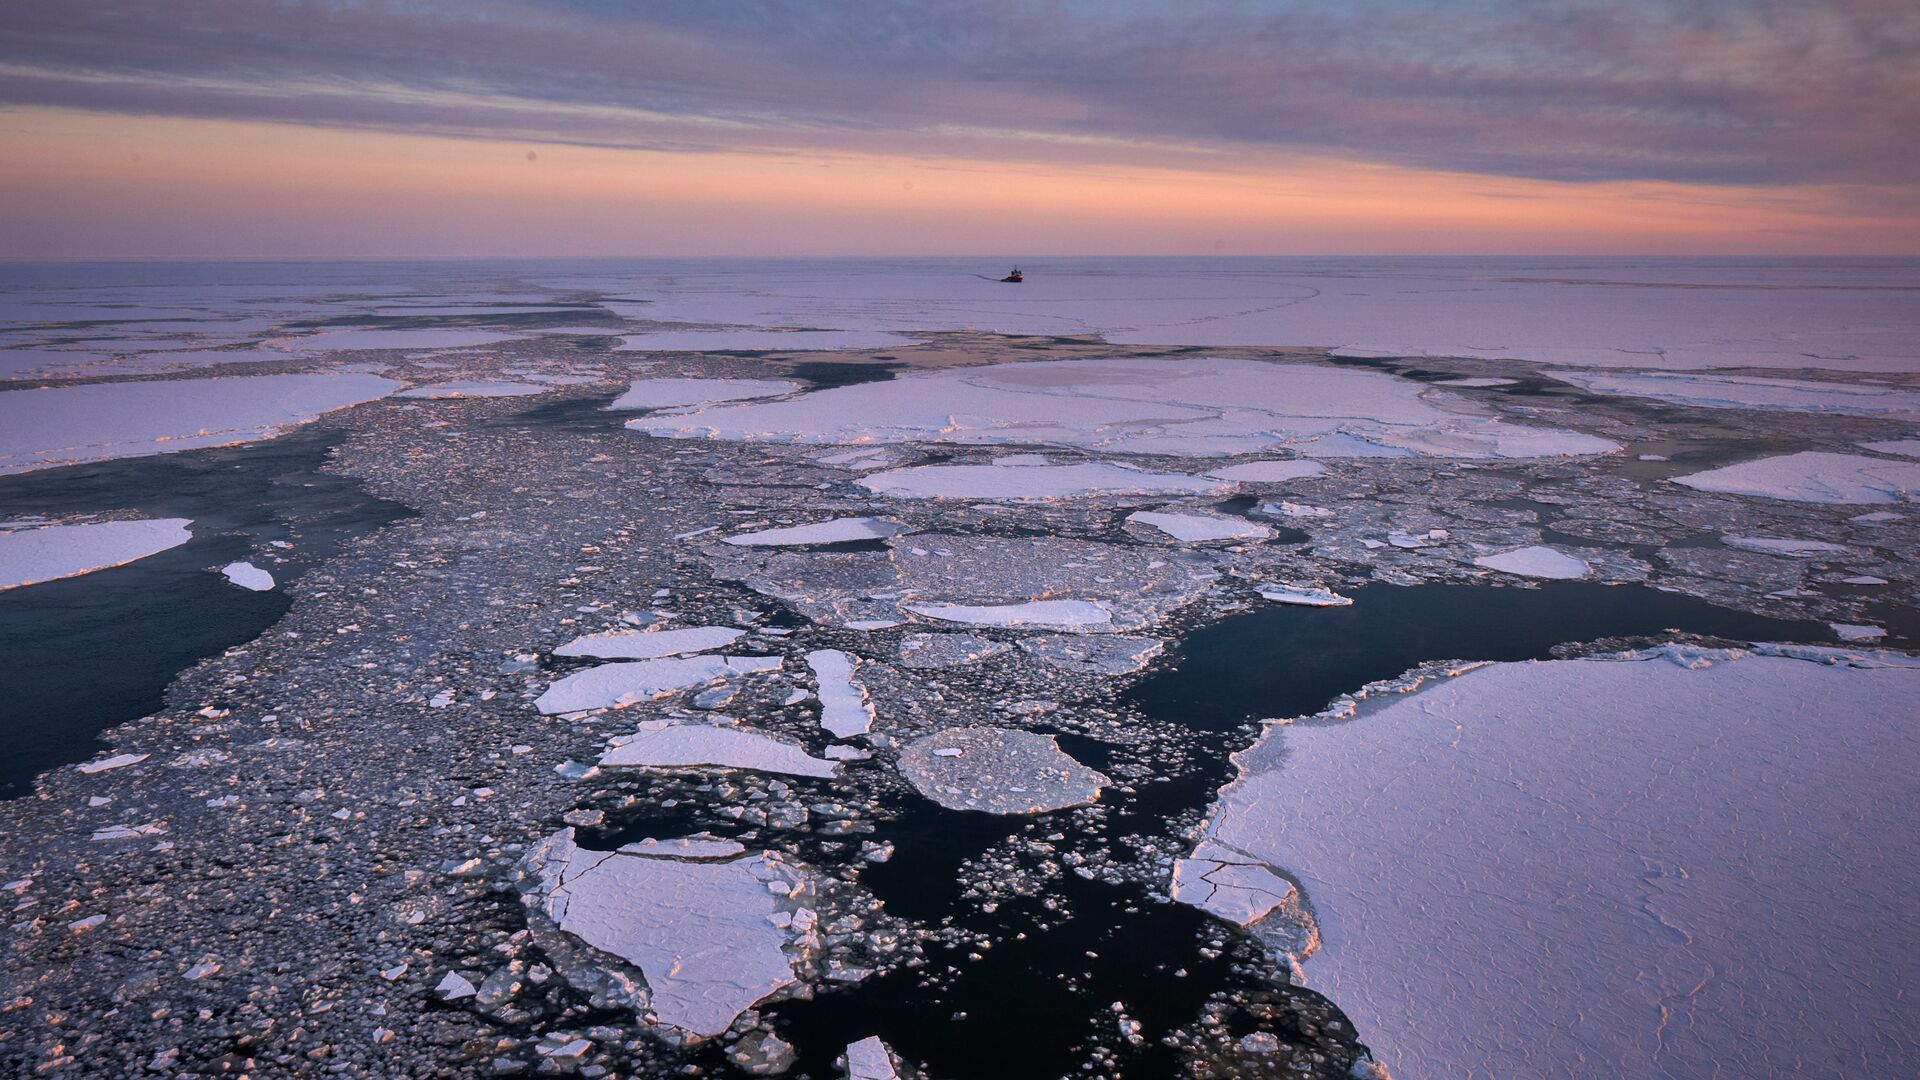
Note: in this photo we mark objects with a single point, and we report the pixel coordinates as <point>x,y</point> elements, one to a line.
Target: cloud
<point>1704,91</point>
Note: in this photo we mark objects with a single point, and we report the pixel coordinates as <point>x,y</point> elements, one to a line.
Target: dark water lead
<point>86,653</point>
<point>1038,1002</point>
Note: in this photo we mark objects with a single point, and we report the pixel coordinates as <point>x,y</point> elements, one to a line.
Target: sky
<point>271,128</point>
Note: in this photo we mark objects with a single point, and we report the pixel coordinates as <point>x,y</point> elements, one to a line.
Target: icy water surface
<point>89,652</point>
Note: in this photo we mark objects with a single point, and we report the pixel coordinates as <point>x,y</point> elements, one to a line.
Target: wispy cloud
<point>1718,91</point>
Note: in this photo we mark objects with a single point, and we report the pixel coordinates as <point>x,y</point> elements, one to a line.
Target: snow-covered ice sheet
<point>675,393</point>
<point>72,424</point>
<point>1816,476</point>
<point>1201,406</point>
<point>758,340</point>
<point>1687,864</point>
<point>248,576</point>
<point>844,708</point>
<point>650,644</point>
<point>1198,528</point>
<point>662,744</point>
<point>1537,561</point>
<point>472,388</point>
<point>834,531</point>
<point>50,552</point>
<point>611,686</point>
<point>1032,482</point>
<point>1749,392</point>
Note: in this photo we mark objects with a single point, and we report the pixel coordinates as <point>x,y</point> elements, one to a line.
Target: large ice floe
<point>666,745</point>
<point>650,644</point>
<point>712,937</point>
<point>1205,407</point>
<point>1749,392</point>
<point>49,552</point>
<point>1682,862</point>
<point>1813,476</point>
<point>1199,528</point>
<point>834,531</point>
<point>611,686</point>
<point>997,771</point>
<point>72,424</point>
<point>678,393</point>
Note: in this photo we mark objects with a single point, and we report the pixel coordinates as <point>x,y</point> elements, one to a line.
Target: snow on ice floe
<point>1775,545</point>
<point>759,340</point>
<point>1749,392</point>
<point>835,531</point>
<point>1902,447</point>
<point>996,771</point>
<point>1537,561</point>
<point>1813,476</point>
<point>472,388</point>
<point>1679,866</point>
<point>72,424</point>
<point>678,393</point>
<point>1268,472</point>
<point>712,938</point>
<point>612,686</point>
<point>1080,615</point>
<point>1202,407</point>
<point>1198,528</point>
<point>663,744</point>
<point>248,576</point>
<point>50,552</point>
<point>1025,482</point>
<point>650,644</point>
<point>844,708</point>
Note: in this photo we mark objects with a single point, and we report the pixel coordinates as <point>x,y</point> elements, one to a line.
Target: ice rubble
<point>834,531</point>
<point>650,644</point>
<point>1206,407</point>
<point>32,555</point>
<point>248,576</point>
<point>1677,863</point>
<point>1813,476</point>
<point>1774,545</point>
<point>611,686</point>
<point>1198,528</point>
<point>844,708</point>
<point>1023,482</point>
<point>1537,561</point>
<point>1079,615</point>
<point>676,393</point>
<point>1749,392</point>
<point>712,938</point>
<point>92,422</point>
<point>1268,472</point>
<point>471,388</point>
<point>663,744</point>
<point>997,771</point>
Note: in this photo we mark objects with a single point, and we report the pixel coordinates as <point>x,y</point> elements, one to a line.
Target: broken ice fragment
<point>1195,528</point>
<point>844,708</point>
<point>997,771</point>
<point>649,644</point>
<point>834,531</point>
<point>660,744</point>
<point>1537,561</point>
<point>614,685</point>
<point>248,576</point>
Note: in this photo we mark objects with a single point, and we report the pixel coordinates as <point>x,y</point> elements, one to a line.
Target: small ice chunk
<point>454,987</point>
<point>650,644</point>
<point>997,771</point>
<point>844,708</point>
<point>833,531</point>
<point>1196,528</point>
<point>117,761</point>
<point>1537,561</point>
<point>248,576</point>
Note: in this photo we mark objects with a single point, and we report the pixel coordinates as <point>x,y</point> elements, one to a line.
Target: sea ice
<point>1774,545</point>
<point>844,708</point>
<point>869,1059</point>
<point>1032,482</point>
<point>997,771</point>
<point>947,650</point>
<point>1079,615</point>
<point>1813,476</point>
<point>1668,864</point>
<point>1196,528</point>
<point>611,686</point>
<point>1114,655</point>
<point>1858,631</point>
<point>1478,382</point>
<point>248,576</point>
<point>1205,407</point>
<point>92,422</point>
<point>1230,884</point>
<point>663,744</point>
<point>389,339</point>
<point>676,393</point>
<point>1902,447</point>
<point>1537,561</point>
<point>471,388</point>
<point>50,552</point>
<point>1268,472</point>
<point>710,937</point>
<point>1749,392</point>
<point>835,531</point>
<point>650,644</point>
<point>759,340</point>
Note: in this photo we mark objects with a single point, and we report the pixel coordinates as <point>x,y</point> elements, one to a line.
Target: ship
<point>1016,276</point>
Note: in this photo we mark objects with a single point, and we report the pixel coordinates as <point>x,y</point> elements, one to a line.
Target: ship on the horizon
<point>1015,276</point>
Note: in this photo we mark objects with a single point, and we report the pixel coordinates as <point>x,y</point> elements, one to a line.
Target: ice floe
<point>869,1059</point>
<point>1032,614</point>
<point>1023,482</point>
<point>1902,447</point>
<point>389,339</point>
<point>1858,631</point>
<point>678,393</point>
<point>611,686</point>
<point>50,552</point>
<point>1775,545</point>
<point>1749,392</point>
<point>472,388</point>
<point>1813,476</point>
<point>71,424</point>
<point>844,708</point>
<point>1230,884</point>
<point>997,771</point>
<point>1537,561</point>
<point>1197,528</point>
<point>1204,407</point>
<point>1114,655</point>
<point>1676,865</point>
<point>1268,472</point>
<point>650,644</point>
<point>947,650</point>
<point>758,340</point>
<point>663,744</point>
<point>835,531</point>
<point>248,576</point>
<point>711,938</point>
